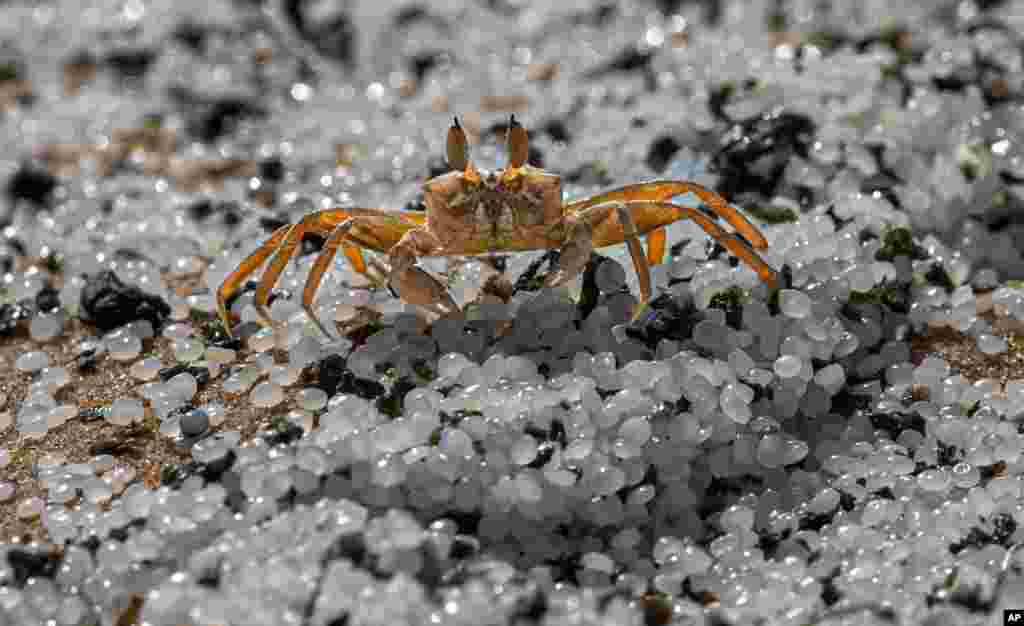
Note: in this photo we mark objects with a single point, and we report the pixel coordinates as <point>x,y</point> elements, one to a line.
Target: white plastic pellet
<point>266,395</point>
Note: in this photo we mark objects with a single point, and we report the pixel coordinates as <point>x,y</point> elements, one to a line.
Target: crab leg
<point>664,190</point>
<point>649,216</point>
<point>338,238</point>
<point>413,284</point>
<point>385,229</point>
<point>579,243</point>
<point>656,244</point>
<point>316,273</point>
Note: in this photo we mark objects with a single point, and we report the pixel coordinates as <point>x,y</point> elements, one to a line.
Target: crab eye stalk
<point>517,143</point>
<point>458,147</point>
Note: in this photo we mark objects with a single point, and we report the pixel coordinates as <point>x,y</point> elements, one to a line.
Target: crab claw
<point>574,256</point>
<point>416,286</point>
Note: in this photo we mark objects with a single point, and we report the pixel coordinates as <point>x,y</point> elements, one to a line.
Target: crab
<point>472,212</point>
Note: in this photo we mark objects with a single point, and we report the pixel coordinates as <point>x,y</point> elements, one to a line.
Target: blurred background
<point>243,115</point>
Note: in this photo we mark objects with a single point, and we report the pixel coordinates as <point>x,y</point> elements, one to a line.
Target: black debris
<point>334,377</point>
<point>660,154</point>
<point>31,184</point>
<point>27,564</point>
<point>108,303</point>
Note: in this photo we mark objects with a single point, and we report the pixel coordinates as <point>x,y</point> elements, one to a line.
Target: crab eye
<point>458,148</point>
<point>517,143</point>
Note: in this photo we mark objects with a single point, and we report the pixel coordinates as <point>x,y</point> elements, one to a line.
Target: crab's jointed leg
<point>316,273</point>
<point>413,284</point>
<point>663,190</point>
<point>579,243</point>
<point>384,230</point>
<point>649,216</point>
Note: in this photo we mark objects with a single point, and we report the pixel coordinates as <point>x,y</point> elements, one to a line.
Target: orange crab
<point>471,212</point>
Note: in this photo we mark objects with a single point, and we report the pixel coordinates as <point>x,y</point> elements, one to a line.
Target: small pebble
<point>7,491</point>
<point>30,508</point>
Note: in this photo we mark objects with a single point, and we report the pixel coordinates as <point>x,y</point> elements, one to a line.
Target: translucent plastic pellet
<point>306,351</point>
<point>740,362</point>
<point>30,508</point>
<point>124,347</point>
<point>266,395</point>
<point>607,480</point>
<point>194,423</point>
<point>992,344</point>
<point>216,411</point>
<point>124,411</point>
<point>788,366</point>
<point>795,304</point>
<point>528,489</point>
<point>312,398</point>
<point>187,349</point>
<point>524,450</point>
<point>32,361</point>
<point>224,356</point>
<point>59,415</point>
<point>794,451</point>
<point>178,331</point>
<point>7,491</point>
<point>875,512</point>
<point>45,326</point>
<point>933,479</point>
<point>737,517</point>
<point>456,443</point>
<point>183,386</point>
<point>452,364</point>
<point>771,451</point>
<point>53,378</point>
<point>636,431</point>
<point>965,475</point>
<point>262,340</point>
<point>610,276</point>
<point>598,561</point>
<point>285,375</point>
<point>102,463</point>
<point>145,369</point>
